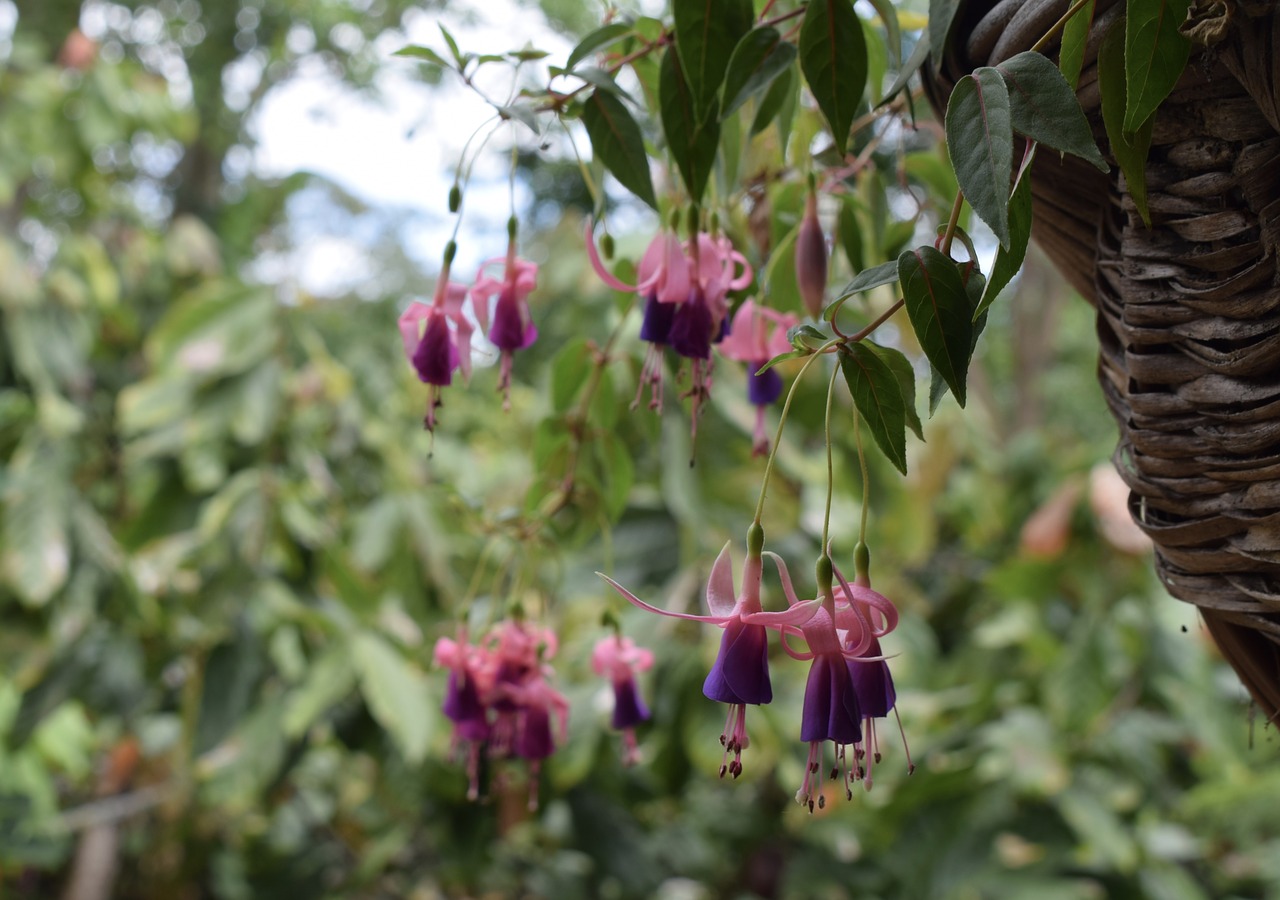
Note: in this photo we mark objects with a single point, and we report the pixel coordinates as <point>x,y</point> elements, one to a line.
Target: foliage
<point>227,545</point>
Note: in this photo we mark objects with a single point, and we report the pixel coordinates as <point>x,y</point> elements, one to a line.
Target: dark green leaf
<point>779,92</point>
<point>617,142</point>
<point>230,676</point>
<point>617,473</point>
<point>1129,148</point>
<point>569,370</point>
<point>597,40</point>
<point>458,57</point>
<point>1075,38</point>
<point>426,54</point>
<point>906,375</point>
<point>937,385</point>
<point>1155,53</point>
<point>941,14</point>
<point>692,141</point>
<point>940,313</point>
<point>885,273</point>
<point>1043,107</point>
<point>1008,262</point>
<point>889,16</point>
<point>601,79</point>
<point>800,336</point>
<point>527,55</point>
<point>909,68</point>
<point>980,143</point>
<point>706,32</point>
<point>833,57</point>
<point>877,395</point>
<point>759,58</point>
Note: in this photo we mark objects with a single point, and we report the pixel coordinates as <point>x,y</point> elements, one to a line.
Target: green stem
<point>866,479</point>
<point>831,472</point>
<point>1058,26</point>
<point>782,423</point>
<point>952,223</point>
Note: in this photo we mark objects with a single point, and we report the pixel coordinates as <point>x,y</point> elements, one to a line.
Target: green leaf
<point>617,473</point>
<point>1043,107</point>
<point>617,142</point>
<point>918,55</point>
<point>1128,147</point>
<point>706,33</point>
<point>231,674</point>
<point>937,385</point>
<point>458,56</point>
<point>833,57</point>
<point>396,692</point>
<point>940,313</point>
<point>1009,261</point>
<point>889,17</point>
<point>1075,38</point>
<point>797,335</point>
<point>426,54</point>
<point>876,276</point>
<point>759,58</point>
<point>328,680</point>
<point>691,140</point>
<point>980,143</point>
<point>1155,53</point>
<point>782,89</point>
<point>906,375</point>
<point>783,357</point>
<point>941,14</point>
<point>849,236</point>
<point>569,370</point>
<point>597,40</point>
<point>877,394</point>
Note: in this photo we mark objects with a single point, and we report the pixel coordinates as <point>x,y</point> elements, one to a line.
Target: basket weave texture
<point>1188,309</point>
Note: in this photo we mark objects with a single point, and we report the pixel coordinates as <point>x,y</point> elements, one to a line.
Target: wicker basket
<point>1188,310</point>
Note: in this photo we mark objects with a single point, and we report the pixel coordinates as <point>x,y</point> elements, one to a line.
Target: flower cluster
<point>501,700</point>
<point>849,685</point>
<point>437,336</point>
<point>685,288</point>
<point>620,660</point>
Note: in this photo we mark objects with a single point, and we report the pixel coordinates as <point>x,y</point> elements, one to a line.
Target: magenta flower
<point>437,341</point>
<point>512,326</point>
<point>757,336</point>
<point>663,282</point>
<point>466,701</point>
<point>536,702</point>
<point>620,660</point>
<point>740,675</point>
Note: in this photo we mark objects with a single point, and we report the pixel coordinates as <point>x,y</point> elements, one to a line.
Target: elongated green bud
<point>694,219</point>
<point>450,251</point>
<point>824,574</point>
<point>455,198</point>
<point>606,246</point>
<point>513,226</point>
<point>755,540</point>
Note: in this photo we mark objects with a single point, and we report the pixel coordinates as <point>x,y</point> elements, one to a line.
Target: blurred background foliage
<point>226,551</point>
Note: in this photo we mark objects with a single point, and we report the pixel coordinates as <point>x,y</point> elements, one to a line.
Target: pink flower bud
<point>811,259</point>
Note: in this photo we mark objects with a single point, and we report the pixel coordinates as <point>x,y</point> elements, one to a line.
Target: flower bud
<point>455,198</point>
<point>811,259</point>
<point>606,246</point>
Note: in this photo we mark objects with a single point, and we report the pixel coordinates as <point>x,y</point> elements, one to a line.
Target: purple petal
<point>436,356</point>
<point>511,330</point>
<point>533,738</point>
<point>655,327</point>
<point>628,709</point>
<point>741,670</point>
<point>691,329</point>
<point>461,701</point>
<point>765,388</point>
<point>873,684</point>
<point>831,711</point>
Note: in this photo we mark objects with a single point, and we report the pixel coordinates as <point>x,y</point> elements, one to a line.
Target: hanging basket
<point>1188,309</point>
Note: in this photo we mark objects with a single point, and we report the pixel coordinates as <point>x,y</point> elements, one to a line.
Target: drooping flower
<point>620,660</point>
<point>740,675</point>
<point>759,334</point>
<point>811,258</point>
<point>512,325</point>
<point>466,700</point>
<point>663,282</point>
<point>437,340</point>
<point>536,702</point>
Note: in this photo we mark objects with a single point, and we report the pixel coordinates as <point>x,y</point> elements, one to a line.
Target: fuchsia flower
<point>757,336</point>
<point>620,660</point>
<point>740,675</point>
<point>500,698</point>
<point>512,327</point>
<point>663,282</point>
<point>437,340</point>
<point>811,258</point>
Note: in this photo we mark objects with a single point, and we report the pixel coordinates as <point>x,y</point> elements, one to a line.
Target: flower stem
<point>1058,26</point>
<point>952,223</point>
<point>826,516</point>
<point>866,479</point>
<point>782,423</point>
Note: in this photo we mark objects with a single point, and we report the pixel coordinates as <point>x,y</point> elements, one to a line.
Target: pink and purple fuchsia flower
<point>757,336</point>
<point>740,675</point>
<point>512,325</point>
<point>620,660</point>
<point>437,339</point>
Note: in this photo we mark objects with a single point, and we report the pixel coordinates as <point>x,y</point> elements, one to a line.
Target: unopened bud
<point>450,251</point>
<point>455,198</point>
<point>811,259</point>
<point>513,226</point>
<point>755,540</point>
<point>606,246</point>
